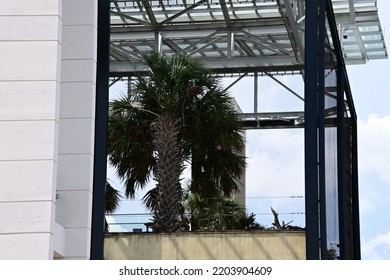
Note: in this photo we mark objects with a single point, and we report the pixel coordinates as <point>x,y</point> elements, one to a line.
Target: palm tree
<point>219,213</point>
<point>167,172</point>
<point>178,113</point>
<point>113,198</point>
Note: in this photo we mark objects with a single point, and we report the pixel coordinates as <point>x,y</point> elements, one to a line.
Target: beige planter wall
<point>203,246</point>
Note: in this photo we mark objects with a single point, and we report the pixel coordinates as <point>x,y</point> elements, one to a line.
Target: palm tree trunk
<point>167,174</point>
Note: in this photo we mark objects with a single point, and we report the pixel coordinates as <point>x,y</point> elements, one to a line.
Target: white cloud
<point>377,248</point>
<point>275,162</point>
<point>374,151</point>
<point>374,185</point>
<point>365,204</point>
<point>374,164</point>
<point>274,174</point>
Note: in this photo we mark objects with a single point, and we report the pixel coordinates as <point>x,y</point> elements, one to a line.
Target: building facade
<point>47,119</point>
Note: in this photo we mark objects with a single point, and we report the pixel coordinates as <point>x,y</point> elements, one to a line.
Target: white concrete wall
<point>47,93</point>
<point>241,182</point>
<point>77,122</point>
<point>30,55</point>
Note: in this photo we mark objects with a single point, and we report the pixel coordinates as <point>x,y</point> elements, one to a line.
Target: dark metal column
<point>311,129</point>
<point>101,122</point>
<point>355,194</point>
<point>350,241</point>
<point>321,132</point>
<point>341,165</point>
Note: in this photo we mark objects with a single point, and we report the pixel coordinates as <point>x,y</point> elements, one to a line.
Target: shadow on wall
<point>263,245</point>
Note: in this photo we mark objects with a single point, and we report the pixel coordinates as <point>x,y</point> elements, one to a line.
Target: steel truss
<point>251,36</point>
<point>235,35</point>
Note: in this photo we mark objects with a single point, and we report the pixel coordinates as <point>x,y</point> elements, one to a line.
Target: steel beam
<point>224,65</point>
<point>312,46</point>
<point>101,124</point>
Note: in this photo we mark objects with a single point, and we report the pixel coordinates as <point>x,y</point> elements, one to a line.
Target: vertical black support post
<point>341,164</point>
<point>101,122</point>
<point>311,132</point>
<point>355,193</point>
<point>321,131</point>
<point>346,242</point>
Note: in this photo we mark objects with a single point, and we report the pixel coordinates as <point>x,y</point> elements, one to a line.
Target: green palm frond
<point>113,198</point>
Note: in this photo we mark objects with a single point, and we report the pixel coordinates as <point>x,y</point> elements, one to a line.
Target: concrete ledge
<point>261,245</point>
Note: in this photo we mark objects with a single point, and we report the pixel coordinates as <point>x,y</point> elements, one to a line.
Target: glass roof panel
<point>231,35</point>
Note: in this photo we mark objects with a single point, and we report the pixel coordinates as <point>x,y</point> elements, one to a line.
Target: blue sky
<point>275,157</point>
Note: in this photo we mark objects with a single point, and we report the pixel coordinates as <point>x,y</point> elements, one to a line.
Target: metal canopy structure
<point>313,37</point>
<point>235,36</point>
